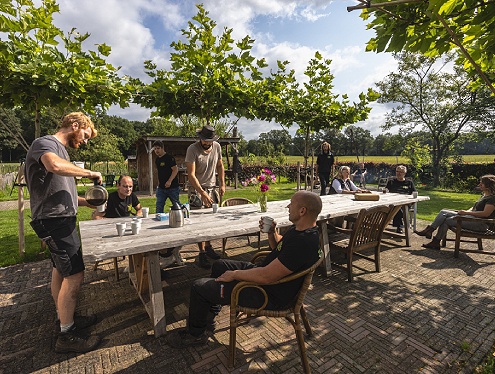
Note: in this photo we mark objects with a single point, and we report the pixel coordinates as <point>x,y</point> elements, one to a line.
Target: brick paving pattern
<point>426,312</point>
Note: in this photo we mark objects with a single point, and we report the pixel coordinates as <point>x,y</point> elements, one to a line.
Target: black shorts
<point>62,239</point>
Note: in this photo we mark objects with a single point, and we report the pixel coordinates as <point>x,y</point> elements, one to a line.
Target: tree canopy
<point>210,77</point>
<point>36,73</point>
<point>435,27</point>
<point>436,102</point>
<point>313,107</point>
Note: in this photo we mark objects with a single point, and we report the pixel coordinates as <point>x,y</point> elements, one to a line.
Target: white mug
<point>267,223</point>
<point>135,227</point>
<point>101,208</point>
<point>120,228</point>
<point>146,211</point>
<point>415,194</point>
<point>215,207</point>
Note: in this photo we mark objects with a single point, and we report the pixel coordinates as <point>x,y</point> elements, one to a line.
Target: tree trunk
<point>306,146</point>
<point>37,125</point>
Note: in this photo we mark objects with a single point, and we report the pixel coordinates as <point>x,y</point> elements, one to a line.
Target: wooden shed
<point>175,146</point>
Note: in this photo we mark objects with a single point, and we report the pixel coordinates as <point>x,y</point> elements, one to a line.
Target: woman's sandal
<point>431,245</point>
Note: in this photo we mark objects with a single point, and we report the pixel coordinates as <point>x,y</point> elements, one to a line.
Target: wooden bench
<point>478,236</point>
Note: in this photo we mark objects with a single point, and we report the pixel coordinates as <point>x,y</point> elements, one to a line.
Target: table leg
<point>156,293</point>
<point>407,226</point>
<point>325,246</point>
<point>144,275</point>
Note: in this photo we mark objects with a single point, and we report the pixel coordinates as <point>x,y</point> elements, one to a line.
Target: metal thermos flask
<point>176,217</point>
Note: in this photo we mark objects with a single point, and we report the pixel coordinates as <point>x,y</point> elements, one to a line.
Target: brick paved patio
<point>425,312</point>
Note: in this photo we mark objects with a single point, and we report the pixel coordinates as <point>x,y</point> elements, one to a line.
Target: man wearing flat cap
<point>203,162</point>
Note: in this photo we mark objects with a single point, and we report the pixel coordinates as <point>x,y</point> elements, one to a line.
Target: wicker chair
<point>478,236</point>
<point>366,234</point>
<point>239,201</point>
<point>239,313</point>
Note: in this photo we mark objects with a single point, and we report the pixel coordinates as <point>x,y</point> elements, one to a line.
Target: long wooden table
<point>100,240</point>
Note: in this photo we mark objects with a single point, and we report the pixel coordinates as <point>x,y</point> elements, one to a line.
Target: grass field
<point>390,159</point>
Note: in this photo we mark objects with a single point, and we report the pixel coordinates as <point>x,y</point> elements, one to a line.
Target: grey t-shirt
<point>206,162</point>
<point>51,195</point>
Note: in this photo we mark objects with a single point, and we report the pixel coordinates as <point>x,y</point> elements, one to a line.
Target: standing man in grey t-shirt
<point>203,162</point>
<point>54,201</point>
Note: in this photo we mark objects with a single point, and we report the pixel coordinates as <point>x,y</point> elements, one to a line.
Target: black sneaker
<point>71,342</point>
<point>211,253</point>
<point>181,338</point>
<point>81,322</point>
<point>203,260</point>
<point>399,230</point>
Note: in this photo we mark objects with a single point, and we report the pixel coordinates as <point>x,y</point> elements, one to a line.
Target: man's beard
<point>206,146</point>
<point>73,139</point>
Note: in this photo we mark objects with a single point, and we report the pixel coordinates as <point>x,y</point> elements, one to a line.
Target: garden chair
<point>366,234</point>
<point>294,313</point>
<point>239,201</point>
<point>478,236</point>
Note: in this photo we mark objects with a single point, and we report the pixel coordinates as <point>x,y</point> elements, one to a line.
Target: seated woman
<point>343,184</point>
<point>483,208</point>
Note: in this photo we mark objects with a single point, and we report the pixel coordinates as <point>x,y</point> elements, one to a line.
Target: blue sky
<point>138,30</point>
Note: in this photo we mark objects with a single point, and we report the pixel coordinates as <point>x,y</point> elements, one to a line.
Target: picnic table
<point>100,240</point>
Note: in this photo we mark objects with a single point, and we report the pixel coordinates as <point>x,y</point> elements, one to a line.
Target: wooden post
<point>149,150</point>
<point>20,183</point>
<point>20,206</point>
<point>298,175</point>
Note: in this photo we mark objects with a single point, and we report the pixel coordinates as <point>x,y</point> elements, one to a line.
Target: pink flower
<point>262,177</point>
<point>264,187</point>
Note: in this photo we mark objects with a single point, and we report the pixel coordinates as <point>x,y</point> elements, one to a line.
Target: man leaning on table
<point>121,202</point>
<point>203,162</point>
<point>400,184</point>
<point>295,251</point>
<point>54,202</point>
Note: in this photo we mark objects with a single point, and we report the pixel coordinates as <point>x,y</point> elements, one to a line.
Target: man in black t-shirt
<point>121,202</point>
<point>296,251</point>
<point>168,182</point>
<point>400,185</point>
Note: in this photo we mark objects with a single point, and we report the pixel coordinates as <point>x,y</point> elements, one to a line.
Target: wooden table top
<point>100,240</point>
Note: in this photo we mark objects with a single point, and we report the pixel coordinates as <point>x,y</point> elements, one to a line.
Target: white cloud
<point>138,30</point>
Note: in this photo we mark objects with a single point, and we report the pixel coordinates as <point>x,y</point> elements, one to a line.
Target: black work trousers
<point>207,296</point>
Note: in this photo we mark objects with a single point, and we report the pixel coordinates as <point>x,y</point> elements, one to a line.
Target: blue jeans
<point>163,193</point>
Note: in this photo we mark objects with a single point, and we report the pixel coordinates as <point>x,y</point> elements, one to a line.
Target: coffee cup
<point>415,194</point>
<point>267,223</point>
<point>215,207</point>
<point>120,228</point>
<point>135,227</point>
<point>101,208</point>
<point>146,211</point>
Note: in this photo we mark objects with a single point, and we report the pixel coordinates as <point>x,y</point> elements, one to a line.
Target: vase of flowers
<point>261,183</point>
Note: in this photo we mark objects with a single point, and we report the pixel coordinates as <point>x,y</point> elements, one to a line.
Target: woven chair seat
<point>294,313</point>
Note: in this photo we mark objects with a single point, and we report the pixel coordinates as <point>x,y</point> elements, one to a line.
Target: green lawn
<point>389,159</point>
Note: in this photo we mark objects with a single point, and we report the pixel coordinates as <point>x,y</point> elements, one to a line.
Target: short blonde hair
<point>81,119</point>
<point>324,144</point>
<point>341,169</point>
<point>402,168</point>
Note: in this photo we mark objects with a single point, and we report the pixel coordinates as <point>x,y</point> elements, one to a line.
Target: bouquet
<point>262,184</point>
